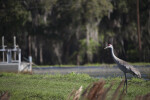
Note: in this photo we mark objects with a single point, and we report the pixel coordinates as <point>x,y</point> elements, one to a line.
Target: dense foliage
<point>76,31</point>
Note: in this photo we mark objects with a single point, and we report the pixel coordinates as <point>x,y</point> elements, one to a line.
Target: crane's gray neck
<point>113,55</point>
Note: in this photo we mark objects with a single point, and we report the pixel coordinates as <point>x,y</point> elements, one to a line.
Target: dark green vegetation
<point>58,87</point>
<point>76,31</point>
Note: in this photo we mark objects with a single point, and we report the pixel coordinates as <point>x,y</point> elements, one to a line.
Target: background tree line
<point>76,31</point>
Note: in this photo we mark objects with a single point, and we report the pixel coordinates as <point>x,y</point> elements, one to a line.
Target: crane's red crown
<point>109,44</point>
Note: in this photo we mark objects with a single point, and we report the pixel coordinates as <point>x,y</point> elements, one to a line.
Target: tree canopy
<point>76,31</point>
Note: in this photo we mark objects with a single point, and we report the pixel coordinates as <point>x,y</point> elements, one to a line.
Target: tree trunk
<point>78,59</point>
<point>78,38</point>
<point>138,29</point>
<point>88,52</point>
<point>149,22</point>
<point>57,50</point>
<point>91,33</point>
<point>41,53</point>
<point>34,47</point>
<point>29,45</point>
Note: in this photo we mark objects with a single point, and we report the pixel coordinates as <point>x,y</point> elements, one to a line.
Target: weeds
<point>4,95</point>
<point>96,91</point>
<point>144,97</point>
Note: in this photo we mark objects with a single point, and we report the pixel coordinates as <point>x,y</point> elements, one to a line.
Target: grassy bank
<point>96,64</point>
<point>58,87</point>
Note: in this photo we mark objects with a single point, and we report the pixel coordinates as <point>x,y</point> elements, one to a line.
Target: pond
<point>98,72</point>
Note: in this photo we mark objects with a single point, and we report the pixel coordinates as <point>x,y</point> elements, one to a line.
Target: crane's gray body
<point>127,68</point>
<point>124,66</point>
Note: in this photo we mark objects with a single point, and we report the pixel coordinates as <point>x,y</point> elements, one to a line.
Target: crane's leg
<point>125,82</point>
<point>124,85</point>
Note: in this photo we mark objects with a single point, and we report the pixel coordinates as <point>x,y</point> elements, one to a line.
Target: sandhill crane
<point>124,66</point>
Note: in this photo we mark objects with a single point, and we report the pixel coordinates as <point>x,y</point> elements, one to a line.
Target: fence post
<point>19,56</point>
<point>30,61</point>
<point>8,56</point>
<point>3,48</point>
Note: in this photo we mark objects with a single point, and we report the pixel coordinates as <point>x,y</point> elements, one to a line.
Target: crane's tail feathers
<point>135,72</point>
<point>138,75</point>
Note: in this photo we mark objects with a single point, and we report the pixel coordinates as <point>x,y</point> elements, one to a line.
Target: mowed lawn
<point>58,87</point>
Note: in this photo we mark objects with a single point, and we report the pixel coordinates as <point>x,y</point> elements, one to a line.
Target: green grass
<point>48,87</point>
<point>58,87</point>
<point>141,63</point>
<point>96,64</point>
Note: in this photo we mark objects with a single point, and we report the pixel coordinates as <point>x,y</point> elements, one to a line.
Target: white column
<point>8,56</point>
<point>30,61</point>
<point>19,58</point>
<point>15,48</point>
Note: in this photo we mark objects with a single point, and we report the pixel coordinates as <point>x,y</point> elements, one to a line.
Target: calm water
<point>98,72</point>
